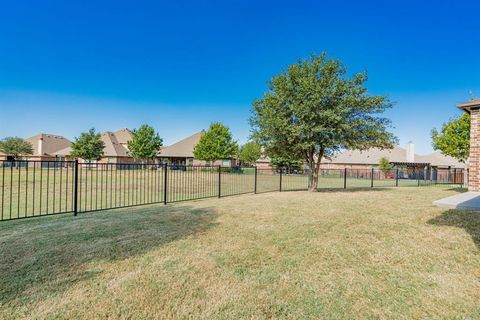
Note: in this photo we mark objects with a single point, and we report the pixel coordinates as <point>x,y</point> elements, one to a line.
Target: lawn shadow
<point>465,219</point>
<point>456,189</point>
<point>55,252</point>
<point>352,189</point>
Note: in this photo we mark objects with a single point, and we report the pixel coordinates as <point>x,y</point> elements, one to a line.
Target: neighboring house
<point>116,148</point>
<point>44,147</point>
<point>263,163</point>
<point>398,156</point>
<point>181,153</point>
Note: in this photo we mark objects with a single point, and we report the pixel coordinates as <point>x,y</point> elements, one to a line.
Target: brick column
<point>473,107</point>
<point>474,160</point>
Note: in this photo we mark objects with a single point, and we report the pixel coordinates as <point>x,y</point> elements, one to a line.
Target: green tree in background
<point>385,165</point>
<point>15,147</point>
<point>89,146</point>
<point>282,162</point>
<point>250,152</point>
<point>454,138</point>
<point>313,110</point>
<point>146,143</point>
<point>216,144</point>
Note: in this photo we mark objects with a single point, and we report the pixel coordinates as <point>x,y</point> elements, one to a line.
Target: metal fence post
<point>219,181</point>
<point>396,178</point>
<point>418,177</point>
<point>373,171</point>
<point>281,179</point>
<point>466,181</point>
<point>345,179</point>
<point>75,188</point>
<point>165,181</point>
<point>255,182</point>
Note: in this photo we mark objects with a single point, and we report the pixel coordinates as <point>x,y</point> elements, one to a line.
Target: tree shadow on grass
<point>351,189</point>
<point>51,254</point>
<point>465,219</point>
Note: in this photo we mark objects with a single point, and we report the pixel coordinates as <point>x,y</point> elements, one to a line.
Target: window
<point>226,163</point>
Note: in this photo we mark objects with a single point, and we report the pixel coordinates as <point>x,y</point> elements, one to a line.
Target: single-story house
<point>399,157</point>
<point>404,158</point>
<point>44,147</point>
<point>263,162</point>
<point>181,153</point>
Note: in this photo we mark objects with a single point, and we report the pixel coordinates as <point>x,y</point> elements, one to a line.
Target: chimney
<point>410,152</point>
<point>40,146</point>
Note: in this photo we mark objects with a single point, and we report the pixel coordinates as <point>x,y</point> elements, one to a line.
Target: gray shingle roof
<point>50,145</point>
<point>183,148</point>
<point>397,154</point>
<point>115,144</point>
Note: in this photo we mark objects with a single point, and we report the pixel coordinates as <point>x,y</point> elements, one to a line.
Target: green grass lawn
<point>357,254</point>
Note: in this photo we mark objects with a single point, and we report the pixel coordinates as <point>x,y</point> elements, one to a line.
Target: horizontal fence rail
<point>39,188</point>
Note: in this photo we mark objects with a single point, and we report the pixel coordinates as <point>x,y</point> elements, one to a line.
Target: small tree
<point>385,165</point>
<point>454,138</point>
<point>89,146</point>
<point>146,143</point>
<point>15,147</point>
<point>250,152</point>
<point>313,110</point>
<point>216,144</point>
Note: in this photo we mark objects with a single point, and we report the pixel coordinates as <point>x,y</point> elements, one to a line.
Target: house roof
<point>115,144</point>
<point>397,155</point>
<point>113,148</point>
<point>51,143</point>
<point>264,159</point>
<point>467,106</point>
<point>372,156</point>
<point>183,148</point>
<point>123,136</point>
<point>437,159</point>
<point>63,152</point>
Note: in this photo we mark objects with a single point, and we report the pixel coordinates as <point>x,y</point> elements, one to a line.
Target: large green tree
<point>313,110</point>
<point>145,144</point>
<point>454,138</point>
<point>89,146</point>
<point>250,152</point>
<point>15,147</point>
<point>216,144</point>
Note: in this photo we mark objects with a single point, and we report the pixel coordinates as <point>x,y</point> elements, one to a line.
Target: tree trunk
<point>313,181</point>
<point>315,170</point>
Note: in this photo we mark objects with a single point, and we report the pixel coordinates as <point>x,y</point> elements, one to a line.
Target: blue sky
<point>66,66</point>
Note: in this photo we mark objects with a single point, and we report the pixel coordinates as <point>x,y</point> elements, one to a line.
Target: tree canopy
<point>454,138</point>
<point>89,146</point>
<point>15,147</point>
<point>146,143</point>
<point>216,144</point>
<point>313,110</point>
<point>250,152</point>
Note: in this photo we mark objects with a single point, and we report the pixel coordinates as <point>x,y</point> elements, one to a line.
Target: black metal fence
<point>39,188</point>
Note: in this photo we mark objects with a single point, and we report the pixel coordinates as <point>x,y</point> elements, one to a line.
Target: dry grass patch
<point>381,254</point>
